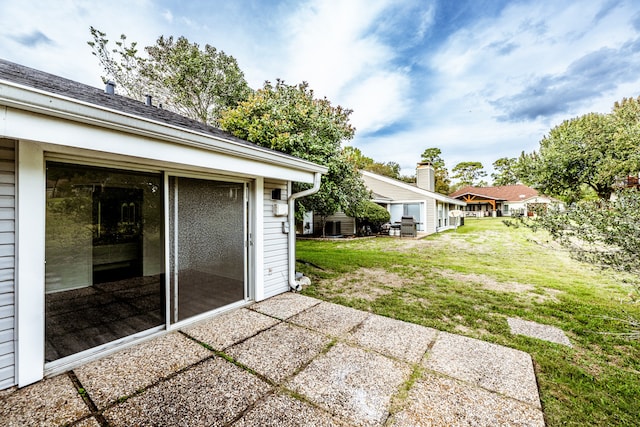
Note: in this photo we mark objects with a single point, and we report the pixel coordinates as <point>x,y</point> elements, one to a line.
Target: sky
<point>478,79</point>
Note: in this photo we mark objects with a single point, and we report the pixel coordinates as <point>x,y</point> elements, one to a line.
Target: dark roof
<point>57,85</point>
<point>509,193</point>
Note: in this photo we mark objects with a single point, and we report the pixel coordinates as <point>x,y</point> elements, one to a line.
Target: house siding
<point>390,191</point>
<point>432,216</point>
<point>347,224</point>
<point>276,269</point>
<point>7,263</point>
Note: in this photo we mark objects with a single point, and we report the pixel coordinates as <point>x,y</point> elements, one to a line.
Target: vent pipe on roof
<point>148,102</point>
<point>110,87</point>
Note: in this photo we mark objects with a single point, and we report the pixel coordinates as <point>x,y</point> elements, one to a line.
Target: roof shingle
<point>510,193</point>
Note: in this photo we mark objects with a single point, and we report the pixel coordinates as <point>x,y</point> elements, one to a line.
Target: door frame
<point>169,210</point>
<point>31,160</point>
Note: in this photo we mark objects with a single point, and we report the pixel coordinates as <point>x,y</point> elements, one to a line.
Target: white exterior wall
<point>7,263</point>
<point>276,268</point>
<point>38,136</point>
<point>431,225</point>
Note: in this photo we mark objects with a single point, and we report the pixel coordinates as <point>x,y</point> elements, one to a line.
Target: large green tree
<point>468,173</point>
<point>290,119</point>
<point>593,150</point>
<point>197,83</point>
<point>442,181</point>
<point>362,162</point>
<point>505,171</point>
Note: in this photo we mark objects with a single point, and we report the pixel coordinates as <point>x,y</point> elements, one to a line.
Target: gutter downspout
<point>292,229</point>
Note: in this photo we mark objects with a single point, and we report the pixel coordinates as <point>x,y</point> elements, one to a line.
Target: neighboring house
<point>430,210</point>
<point>506,200</point>
<point>120,221</point>
<point>338,224</point>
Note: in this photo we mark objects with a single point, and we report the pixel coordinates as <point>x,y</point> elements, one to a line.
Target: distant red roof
<point>509,193</point>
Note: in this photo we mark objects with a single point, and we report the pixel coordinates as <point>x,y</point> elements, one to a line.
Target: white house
<point>120,221</point>
<point>430,210</point>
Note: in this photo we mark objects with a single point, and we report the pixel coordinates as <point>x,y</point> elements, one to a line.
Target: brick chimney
<point>426,176</point>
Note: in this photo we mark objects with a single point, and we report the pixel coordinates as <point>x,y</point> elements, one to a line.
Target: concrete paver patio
<point>291,361</point>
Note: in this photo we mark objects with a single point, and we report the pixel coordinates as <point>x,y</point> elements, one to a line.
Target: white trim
<point>30,272</point>
<point>69,362</point>
<point>257,240</point>
<point>416,190</point>
<point>72,137</point>
<point>39,101</point>
<point>208,314</point>
<point>167,251</point>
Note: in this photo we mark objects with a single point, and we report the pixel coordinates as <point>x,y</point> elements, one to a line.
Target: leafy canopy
<point>362,162</point>
<point>442,181</point>
<point>468,173</point>
<point>195,83</point>
<point>593,150</point>
<point>505,171</point>
<point>288,118</point>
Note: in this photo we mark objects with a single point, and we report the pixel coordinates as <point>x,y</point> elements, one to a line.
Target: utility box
<point>280,209</point>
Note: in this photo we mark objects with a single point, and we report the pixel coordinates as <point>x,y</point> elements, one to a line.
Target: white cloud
<point>328,44</point>
<point>380,99</point>
<point>168,16</point>
<point>66,23</point>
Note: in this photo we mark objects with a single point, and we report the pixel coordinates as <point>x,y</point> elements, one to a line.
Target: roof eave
<point>47,103</point>
<point>417,190</point>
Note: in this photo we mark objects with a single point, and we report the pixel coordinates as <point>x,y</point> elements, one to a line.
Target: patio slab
<point>352,383</point>
<point>285,411</point>
<point>441,401</point>
<point>53,401</point>
<point>132,369</point>
<point>212,393</point>
<point>539,331</point>
<point>490,366</point>
<point>325,365</point>
<point>230,328</point>
<point>285,305</point>
<point>280,351</point>
<point>328,318</point>
<point>395,338</point>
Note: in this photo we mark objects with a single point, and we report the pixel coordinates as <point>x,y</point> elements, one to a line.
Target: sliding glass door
<point>105,253</point>
<point>104,256</point>
<point>208,250</point>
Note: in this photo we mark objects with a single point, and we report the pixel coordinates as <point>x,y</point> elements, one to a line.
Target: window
<point>104,256</point>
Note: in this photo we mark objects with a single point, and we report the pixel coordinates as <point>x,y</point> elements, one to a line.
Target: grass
<point>468,282</point>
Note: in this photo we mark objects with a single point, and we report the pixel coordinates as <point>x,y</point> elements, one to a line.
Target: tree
<point>362,162</point>
<point>467,173</point>
<point>372,215</point>
<point>390,169</point>
<point>602,233</point>
<point>593,150</point>
<point>196,83</point>
<point>356,158</point>
<point>505,172</point>
<point>442,181</point>
<point>289,119</point>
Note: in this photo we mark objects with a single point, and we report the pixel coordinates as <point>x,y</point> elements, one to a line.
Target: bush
<point>373,215</point>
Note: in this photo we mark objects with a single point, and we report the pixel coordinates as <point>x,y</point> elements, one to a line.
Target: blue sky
<point>479,79</point>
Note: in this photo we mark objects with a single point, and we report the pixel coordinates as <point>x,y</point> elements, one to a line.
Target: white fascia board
<point>62,137</point>
<point>419,191</point>
<point>42,102</point>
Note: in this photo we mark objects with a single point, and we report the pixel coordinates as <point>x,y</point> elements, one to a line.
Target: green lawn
<point>470,280</point>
